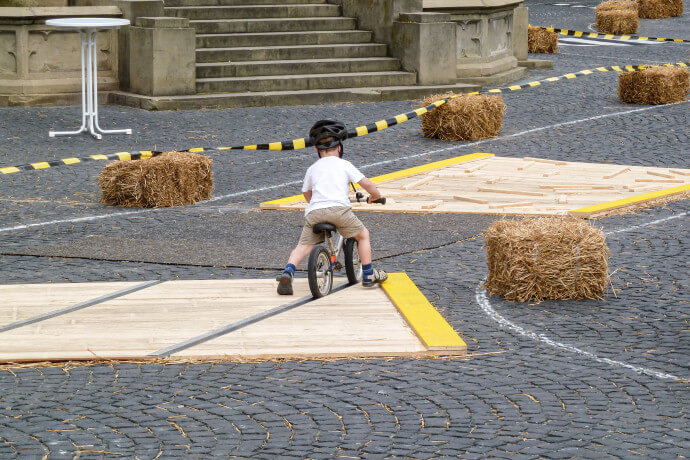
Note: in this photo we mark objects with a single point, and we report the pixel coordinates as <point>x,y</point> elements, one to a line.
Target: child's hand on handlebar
<point>359,198</point>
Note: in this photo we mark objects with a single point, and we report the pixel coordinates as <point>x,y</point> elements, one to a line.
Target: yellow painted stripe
<point>534,83</point>
<point>9,170</point>
<point>578,34</point>
<point>286,200</point>
<point>298,144</point>
<point>429,167</point>
<point>124,156</point>
<point>398,174</point>
<point>401,118</point>
<point>625,37</point>
<point>586,72</point>
<point>428,324</point>
<point>381,124</point>
<point>553,78</point>
<point>473,93</point>
<point>223,148</point>
<point>70,161</point>
<point>570,75</point>
<point>196,149</point>
<point>439,103</point>
<point>609,36</point>
<point>682,64</point>
<point>98,157</point>
<point>593,34</point>
<point>631,200</point>
<point>250,147</point>
<point>643,38</point>
<point>41,165</point>
<point>676,39</point>
<point>629,67</point>
<point>421,111</point>
<point>616,68</point>
<point>362,130</point>
<point>495,90</point>
<point>602,69</point>
<point>275,146</point>
<point>146,154</point>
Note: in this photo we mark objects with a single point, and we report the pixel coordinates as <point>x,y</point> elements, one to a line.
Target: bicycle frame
<point>334,249</point>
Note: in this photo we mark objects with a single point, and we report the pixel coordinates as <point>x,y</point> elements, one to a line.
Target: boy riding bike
<point>326,188</point>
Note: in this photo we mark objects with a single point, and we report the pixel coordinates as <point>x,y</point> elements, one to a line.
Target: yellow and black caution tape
<point>569,76</point>
<point>74,160</point>
<point>582,34</point>
<point>297,144</point>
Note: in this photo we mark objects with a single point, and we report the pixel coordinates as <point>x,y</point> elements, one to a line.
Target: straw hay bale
<point>546,258</point>
<point>617,22</point>
<point>540,40</point>
<point>655,9</point>
<point>172,179</point>
<point>619,5</point>
<point>469,117</point>
<point>655,85</point>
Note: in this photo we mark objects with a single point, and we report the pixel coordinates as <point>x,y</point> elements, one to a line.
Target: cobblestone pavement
<point>590,379</point>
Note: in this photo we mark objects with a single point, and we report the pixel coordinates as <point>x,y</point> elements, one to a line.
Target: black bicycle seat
<point>323,227</point>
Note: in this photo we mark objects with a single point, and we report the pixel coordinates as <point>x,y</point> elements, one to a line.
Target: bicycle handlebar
<point>359,198</point>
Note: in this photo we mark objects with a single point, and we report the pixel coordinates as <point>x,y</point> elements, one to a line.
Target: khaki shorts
<point>342,217</point>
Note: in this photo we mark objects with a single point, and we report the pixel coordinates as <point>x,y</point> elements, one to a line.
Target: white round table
<point>88,29</point>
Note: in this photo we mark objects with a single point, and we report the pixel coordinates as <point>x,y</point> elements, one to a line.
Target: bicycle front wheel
<point>320,277</point>
<point>353,266</point>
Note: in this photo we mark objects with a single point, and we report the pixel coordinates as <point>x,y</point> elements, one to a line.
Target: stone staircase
<point>284,52</point>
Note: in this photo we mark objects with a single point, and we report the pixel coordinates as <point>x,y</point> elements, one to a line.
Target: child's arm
<point>369,186</point>
<point>307,195</point>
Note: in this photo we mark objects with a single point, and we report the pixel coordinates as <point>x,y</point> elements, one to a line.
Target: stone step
<point>253,11</point>
<point>229,26</point>
<point>169,3</point>
<point>268,53</point>
<point>304,82</point>
<point>292,67</point>
<point>283,38</point>
<point>285,98</point>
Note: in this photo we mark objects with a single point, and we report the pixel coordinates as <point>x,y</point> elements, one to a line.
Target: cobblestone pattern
<point>512,398</point>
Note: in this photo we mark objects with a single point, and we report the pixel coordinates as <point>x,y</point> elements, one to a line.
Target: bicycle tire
<point>353,266</point>
<point>320,279</point>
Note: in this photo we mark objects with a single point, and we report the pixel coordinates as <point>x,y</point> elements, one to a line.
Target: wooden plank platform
<point>353,322</point>
<point>482,183</point>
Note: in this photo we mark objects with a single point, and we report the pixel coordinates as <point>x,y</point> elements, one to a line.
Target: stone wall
<point>42,65</point>
<point>485,38</point>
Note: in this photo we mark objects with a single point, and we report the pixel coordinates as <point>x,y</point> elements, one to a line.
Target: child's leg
<point>370,275</point>
<point>300,252</point>
<point>364,246</point>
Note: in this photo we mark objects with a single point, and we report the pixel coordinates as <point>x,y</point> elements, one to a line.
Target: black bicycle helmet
<point>324,129</point>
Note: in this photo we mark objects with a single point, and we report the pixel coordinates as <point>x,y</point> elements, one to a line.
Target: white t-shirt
<point>329,181</point>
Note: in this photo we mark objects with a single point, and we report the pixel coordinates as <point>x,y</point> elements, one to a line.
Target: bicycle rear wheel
<point>320,277</point>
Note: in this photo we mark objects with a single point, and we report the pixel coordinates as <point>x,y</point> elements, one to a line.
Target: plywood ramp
<point>354,322</point>
<point>482,183</point>
<point>23,301</point>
